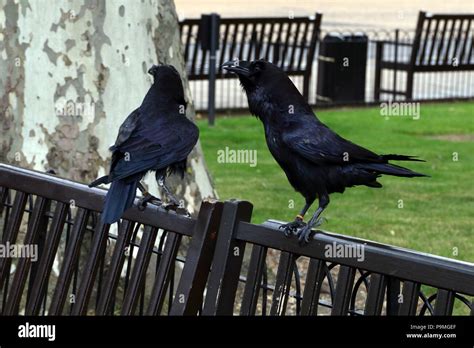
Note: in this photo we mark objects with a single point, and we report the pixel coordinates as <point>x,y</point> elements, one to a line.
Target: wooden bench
<point>287,42</point>
<point>442,43</point>
<point>391,277</point>
<point>63,219</point>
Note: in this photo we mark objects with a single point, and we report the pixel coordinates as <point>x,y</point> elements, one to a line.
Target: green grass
<point>437,213</point>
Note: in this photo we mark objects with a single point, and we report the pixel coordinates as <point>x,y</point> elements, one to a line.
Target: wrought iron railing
<point>156,262</point>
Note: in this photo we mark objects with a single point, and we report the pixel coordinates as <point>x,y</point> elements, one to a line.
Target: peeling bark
<point>69,76</point>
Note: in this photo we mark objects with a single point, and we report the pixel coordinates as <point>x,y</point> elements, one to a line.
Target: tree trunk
<point>71,71</point>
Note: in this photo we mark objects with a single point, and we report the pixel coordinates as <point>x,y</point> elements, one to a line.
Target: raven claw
<point>148,198</point>
<point>305,234</point>
<point>291,228</point>
<point>176,207</point>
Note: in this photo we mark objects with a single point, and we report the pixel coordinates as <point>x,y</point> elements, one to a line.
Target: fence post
<point>395,65</point>
<point>214,37</point>
<point>378,69</point>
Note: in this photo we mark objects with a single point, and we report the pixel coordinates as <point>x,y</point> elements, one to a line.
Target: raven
<point>157,136</point>
<point>316,160</point>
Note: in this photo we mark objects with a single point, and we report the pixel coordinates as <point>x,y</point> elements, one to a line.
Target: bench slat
<point>312,289</point>
<point>410,297</point>
<point>227,261</point>
<point>345,281</point>
<point>464,45</point>
<point>375,297</point>
<point>254,279</point>
<point>189,293</point>
<point>450,40</point>
<point>282,283</point>
<point>444,302</point>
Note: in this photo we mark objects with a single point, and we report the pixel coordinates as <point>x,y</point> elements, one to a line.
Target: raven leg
<point>292,227</point>
<point>147,198</point>
<point>161,183</point>
<point>175,203</point>
<point>305,233</point>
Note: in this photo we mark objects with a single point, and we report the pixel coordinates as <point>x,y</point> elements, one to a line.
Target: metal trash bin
<point>342,63</point>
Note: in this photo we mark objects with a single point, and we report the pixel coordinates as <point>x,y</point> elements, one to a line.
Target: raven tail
<point>393,157</point>
<point>119,198</point>
<point>102,180</point>
<point>390,169</point>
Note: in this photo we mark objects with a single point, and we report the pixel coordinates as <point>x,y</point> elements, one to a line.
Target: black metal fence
<point>429,85</point>
<point>157,263</point>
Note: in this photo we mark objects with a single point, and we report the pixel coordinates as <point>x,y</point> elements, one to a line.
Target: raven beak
<point>239,67</point>
<point>153,69</point>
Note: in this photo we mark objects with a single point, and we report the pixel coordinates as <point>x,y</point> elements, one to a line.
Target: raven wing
<point>126,129</point>
<point>320,145</point>
<point>124,133</point>
<point>154,144</point>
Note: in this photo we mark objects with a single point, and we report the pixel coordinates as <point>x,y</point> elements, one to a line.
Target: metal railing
<point>156,262</point>
<point>385,280</point>
<point>152,263</point>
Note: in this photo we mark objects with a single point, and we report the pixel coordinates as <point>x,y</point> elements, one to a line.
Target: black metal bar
<point>139,270</point>
<point>89,273</point>
<point>23,265</point>
<point>395,62</point>
<point>164,273</point>
<point>214,18</point>
<point>115,268</point>
<point>11,232</point>
<point>311,53</point>
<point>378,69</point>
<point>33,306</point>
<point>70,262</point>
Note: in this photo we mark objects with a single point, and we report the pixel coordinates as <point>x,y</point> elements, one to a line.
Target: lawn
<point>433,215</point>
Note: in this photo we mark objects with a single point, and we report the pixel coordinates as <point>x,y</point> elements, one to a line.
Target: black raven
<point>316,161</point>
<point>157,136</point>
